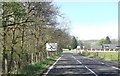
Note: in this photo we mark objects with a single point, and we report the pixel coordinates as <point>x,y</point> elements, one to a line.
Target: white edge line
<point>85,66</point>
<point>115,68</point>
<point>105,64</point>
<point>52,66</point>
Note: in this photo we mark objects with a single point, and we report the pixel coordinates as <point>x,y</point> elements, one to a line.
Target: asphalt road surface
<point>75,65</point>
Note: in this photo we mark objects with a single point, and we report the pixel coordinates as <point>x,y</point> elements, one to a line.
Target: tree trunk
<point>12,51</point>
<point>11,60</point>
<point>32,58</point>
<point>22,46</point>
<point>4,71</point>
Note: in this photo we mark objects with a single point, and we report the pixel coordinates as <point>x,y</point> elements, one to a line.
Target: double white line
<point>86,67</point>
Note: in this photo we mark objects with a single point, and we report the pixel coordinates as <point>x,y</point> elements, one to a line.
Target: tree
<point>80,43</point>
<point>74,43</point>
<point>107,40</point>
<point>104,41</point>
<point>26,28</point>
<point>101,42</point>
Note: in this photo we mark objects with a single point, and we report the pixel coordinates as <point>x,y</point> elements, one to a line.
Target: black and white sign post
<point>51,48</point>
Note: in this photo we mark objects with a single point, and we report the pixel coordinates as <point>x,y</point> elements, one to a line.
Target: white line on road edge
<point>115,68</point>
<point>112,66</point>
<point>52,66</point>
<point>85,66</point>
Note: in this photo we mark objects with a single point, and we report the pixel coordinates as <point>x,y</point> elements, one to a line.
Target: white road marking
<point>86,67</point>
<point>77,60</point>
<point>52,66</point>
<point>115,68</point>
<point>102,63</point>
<point>91,71</point>
<point>112,66</point>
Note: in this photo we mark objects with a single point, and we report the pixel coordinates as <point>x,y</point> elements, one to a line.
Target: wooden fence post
<point>6,68</point>
<point>48,54</point>
<point>32,58</point>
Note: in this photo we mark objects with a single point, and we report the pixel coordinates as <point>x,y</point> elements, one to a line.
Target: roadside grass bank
<point>108,56</point>
<point>38,68</point>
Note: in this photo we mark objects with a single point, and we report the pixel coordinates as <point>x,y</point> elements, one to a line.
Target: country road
<point>71,64</point>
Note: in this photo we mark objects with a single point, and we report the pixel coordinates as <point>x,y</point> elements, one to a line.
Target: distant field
<point>66,51</point>
<point>108,56</point>
<point>70,51</point>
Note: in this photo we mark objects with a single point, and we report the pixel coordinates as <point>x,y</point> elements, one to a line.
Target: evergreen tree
<point>80,43</point>
<point>107,40</point>
<point>74,43</point>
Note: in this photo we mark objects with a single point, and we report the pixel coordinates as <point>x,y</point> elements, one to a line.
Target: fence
<point>102,50</point>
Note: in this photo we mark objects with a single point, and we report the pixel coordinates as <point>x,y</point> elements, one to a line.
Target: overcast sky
<point>91,20</point>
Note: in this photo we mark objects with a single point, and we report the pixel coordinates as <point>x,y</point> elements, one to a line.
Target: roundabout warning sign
<point>51,46</point>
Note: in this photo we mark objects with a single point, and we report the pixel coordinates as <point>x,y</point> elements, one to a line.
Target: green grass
<point>70,51</point>
<point>64,51</point>
<point>108,56</point>
<point>38,68</point>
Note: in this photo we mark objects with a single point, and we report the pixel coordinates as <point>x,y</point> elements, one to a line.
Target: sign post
<point>51,48</point>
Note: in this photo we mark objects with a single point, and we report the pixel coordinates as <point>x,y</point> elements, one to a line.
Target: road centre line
<point>102,63</point>
<point>91,71</point>
<point>77,60</point>
<point>52,66</point>
<point>85,66</point>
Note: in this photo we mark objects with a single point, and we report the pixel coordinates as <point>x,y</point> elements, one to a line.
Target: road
<point>71,64</point>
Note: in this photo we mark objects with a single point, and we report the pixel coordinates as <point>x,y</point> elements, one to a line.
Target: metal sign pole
<point>47,54</point>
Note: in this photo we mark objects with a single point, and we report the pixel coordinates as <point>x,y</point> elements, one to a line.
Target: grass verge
<point>38,68</point>
<point>108,56</point>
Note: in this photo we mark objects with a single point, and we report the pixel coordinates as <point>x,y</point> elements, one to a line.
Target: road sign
<point>78,47</point>
<point>51,46</point>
